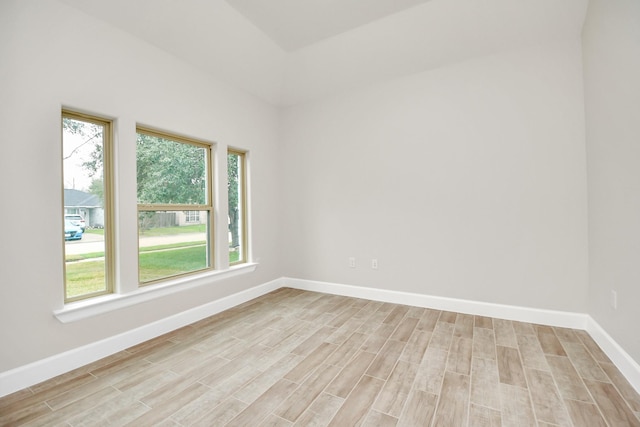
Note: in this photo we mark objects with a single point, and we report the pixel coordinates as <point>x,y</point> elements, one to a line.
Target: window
<point>237,191</point>
<point>192,216</point>
<point>175,213</point>
<point>174,187</point>
<point>86,154</point>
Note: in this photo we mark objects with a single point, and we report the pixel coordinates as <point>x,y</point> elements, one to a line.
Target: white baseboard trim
<point>510,312</point>
<point>42,370</point>
<point>629,367</point>
<point>623,361</point>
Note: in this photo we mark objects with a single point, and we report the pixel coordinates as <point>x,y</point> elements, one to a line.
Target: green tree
<point>170,172</point>
<point>97,188</point>
<point>234,207</point>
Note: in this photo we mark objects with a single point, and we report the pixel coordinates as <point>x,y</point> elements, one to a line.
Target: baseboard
<point>509,312</point>
<point>629,367</point>
<point>623,361</point>
<point>42,370</point>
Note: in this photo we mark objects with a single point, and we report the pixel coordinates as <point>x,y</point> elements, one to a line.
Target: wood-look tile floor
<point>298,358</point>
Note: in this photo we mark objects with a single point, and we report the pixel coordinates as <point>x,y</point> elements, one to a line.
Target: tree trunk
<point>233,228</point>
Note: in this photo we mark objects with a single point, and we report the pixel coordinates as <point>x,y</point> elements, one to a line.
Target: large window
<point>174,178</point>
<point>174,188</point>
<point>237,190</point>
<point>86,153</point>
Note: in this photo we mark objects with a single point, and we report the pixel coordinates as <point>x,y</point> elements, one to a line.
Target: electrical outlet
<point>352,262</point>
<point>614,300</point>
<point>374,263</point>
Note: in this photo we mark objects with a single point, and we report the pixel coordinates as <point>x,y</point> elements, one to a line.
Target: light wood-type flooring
<point>298,358</point>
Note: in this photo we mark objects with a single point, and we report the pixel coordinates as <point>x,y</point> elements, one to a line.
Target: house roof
<point>80,199</point>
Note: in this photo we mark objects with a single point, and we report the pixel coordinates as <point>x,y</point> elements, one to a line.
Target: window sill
<point>84,309</point>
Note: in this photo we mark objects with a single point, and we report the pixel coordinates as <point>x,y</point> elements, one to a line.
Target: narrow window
<point>86,153</point>
<point>174,205</point>
<point>236,168</point>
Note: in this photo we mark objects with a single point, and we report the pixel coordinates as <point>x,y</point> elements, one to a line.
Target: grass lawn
<point>164,231</point>
<point>99,231</point>
<point>155,263</point>
<point>89,255</point>
<point>85,278</point>
<point>80,257</point>
<point>161,231</point>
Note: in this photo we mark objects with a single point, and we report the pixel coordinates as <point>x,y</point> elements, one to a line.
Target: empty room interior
<point>412,212</point>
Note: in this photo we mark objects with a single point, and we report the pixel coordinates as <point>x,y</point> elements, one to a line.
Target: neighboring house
<point>90,207</point>
<point>174,219</point>
<point>191,217</point>
<point>86,204</point>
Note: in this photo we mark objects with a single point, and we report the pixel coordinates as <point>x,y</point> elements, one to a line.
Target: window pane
<point>170,172</point>
<point>84,209</point>
<point>174,235</point>
<point>172,243</point>
<point>235,168</point>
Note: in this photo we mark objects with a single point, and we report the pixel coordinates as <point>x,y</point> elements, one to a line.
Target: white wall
<point>611,45</point>
<point>209,34</point>
<point>468,181</point>
<point>423,37</point>
<point>52,56</point>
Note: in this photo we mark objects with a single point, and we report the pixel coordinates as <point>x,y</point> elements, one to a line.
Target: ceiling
<point>288,52</point>
<point>293,24</point>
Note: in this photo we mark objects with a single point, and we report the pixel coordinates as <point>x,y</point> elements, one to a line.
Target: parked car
<point>76,220</point>
<point>71,230</point>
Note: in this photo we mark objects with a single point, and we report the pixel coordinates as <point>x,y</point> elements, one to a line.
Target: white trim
<point>623,361</point>
<point>41,370</point>
<point>510,312</point>
<point>90,307</point>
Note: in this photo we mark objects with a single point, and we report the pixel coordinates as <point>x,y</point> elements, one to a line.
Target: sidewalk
<point>95,243</point>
